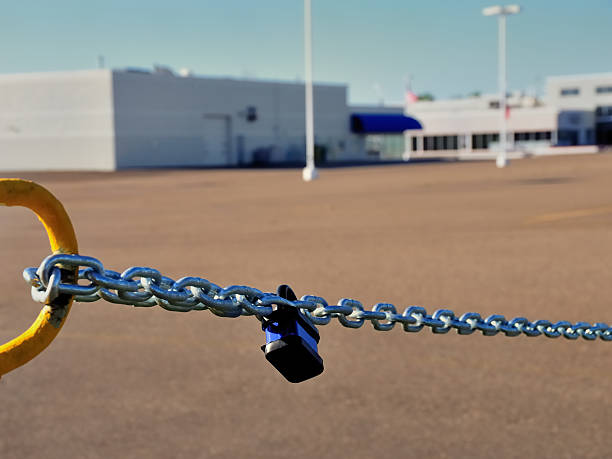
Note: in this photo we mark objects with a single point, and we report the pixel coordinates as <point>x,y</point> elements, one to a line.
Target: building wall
<point>165,120</point>
<point>56,121</point>
<point>579,92</point>
<point>485,120</point>
<point>576,111</point>
<point>584,98</point>
<point>104,120</point>
<point>461,127</point>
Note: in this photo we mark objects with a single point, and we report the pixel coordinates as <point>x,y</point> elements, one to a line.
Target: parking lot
<point>532,240</point>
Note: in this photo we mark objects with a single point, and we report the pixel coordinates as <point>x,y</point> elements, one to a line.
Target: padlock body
<point>291,345</point>
<point>292,327</point>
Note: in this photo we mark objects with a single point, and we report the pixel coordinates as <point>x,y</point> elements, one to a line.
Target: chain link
<point>147,287</point>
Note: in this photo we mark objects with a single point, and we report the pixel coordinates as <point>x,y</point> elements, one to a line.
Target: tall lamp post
<point>501,12</point>
<point>309,172</point>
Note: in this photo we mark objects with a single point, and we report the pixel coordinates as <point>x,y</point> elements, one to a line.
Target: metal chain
<point>146,287</point>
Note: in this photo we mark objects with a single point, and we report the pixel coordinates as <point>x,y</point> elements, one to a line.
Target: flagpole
<point>502,157</point>
<point>309,173</point>
<point>409,97</point>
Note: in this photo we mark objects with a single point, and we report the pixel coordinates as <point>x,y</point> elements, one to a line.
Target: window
<point>568,137</point>
<point>451,142</point>
<point>251,114</point>
<point>531,136</point>
<point>414,144</point>
<point>604,111</point>
<point>439,142</point>
<point>570,91</point>
<point>479,141</point>
<point>541,135</point>
<point>590,136</point>
<point>604,90</point>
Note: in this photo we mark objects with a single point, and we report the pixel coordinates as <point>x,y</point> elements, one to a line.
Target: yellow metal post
<point>17,192</point>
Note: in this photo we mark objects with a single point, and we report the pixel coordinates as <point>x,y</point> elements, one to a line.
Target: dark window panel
<point>570,91</point>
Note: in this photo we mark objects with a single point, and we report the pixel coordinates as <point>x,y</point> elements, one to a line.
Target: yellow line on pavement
<point>567,215</point>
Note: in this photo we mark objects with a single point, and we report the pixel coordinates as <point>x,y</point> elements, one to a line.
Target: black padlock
<point>291,341</point>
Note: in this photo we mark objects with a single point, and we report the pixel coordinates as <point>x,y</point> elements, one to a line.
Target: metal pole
<point>309,172</point>
<point>502,159</point>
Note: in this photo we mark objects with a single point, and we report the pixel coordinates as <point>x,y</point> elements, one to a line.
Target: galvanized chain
<point>146,287</point>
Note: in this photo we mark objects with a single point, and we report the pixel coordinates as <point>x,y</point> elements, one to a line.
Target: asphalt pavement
<point>532,240</point>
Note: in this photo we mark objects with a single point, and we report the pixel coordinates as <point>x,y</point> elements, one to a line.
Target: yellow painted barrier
<point>17,192</point>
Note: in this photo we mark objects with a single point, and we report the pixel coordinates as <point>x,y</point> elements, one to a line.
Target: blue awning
<point>382,123</point>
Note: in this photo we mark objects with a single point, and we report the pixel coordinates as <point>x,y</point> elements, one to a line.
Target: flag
<point>411,97</point>
<point>507,114</point>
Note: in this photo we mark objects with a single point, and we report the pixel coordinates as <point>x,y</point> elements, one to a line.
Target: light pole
<point>309,172</point>
<point>501,12</point>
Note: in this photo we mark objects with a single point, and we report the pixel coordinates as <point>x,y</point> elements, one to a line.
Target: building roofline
<point>83,72</point>
<point>195,76</point>
<point>53,73</point>
<point>584,76</point>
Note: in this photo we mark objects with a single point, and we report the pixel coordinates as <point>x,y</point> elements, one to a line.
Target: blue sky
<point>448,47</point>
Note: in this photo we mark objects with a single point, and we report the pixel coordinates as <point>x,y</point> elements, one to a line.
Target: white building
<point>577,111</point>
<point>586,95</point>
<point>114,119</point>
